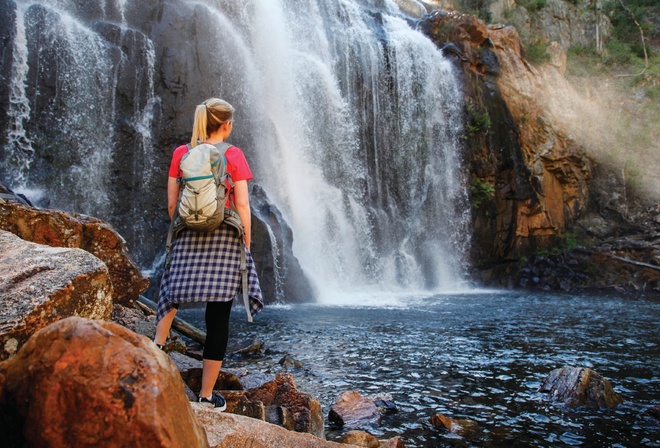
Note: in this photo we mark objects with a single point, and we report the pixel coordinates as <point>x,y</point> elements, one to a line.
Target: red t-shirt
<point>237,165</point>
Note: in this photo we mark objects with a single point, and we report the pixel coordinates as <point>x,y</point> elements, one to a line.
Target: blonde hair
<point>209,116</point>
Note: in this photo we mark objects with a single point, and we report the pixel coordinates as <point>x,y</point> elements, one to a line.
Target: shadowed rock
<point>579,386</point>
<point>88,383</point>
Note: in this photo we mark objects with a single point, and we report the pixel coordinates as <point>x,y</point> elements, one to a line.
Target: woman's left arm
<point>242,202</point>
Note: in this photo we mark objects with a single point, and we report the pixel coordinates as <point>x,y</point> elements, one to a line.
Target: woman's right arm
<point>172,195</point>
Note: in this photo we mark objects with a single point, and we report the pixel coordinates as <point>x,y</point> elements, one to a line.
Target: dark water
<point>472,356</point>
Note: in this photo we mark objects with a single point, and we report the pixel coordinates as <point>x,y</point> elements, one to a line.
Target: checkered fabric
<point>205,267</point>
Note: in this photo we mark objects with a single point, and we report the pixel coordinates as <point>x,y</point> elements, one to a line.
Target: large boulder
<point>83,383</point>
<point>580,387</point>
<point>40,285</point>
<point>226,430</point>
<point>59,229</point>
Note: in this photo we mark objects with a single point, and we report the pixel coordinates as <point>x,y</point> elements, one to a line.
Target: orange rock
<point>58,229</point>
<point>88,383</point>
<point>360,438</point>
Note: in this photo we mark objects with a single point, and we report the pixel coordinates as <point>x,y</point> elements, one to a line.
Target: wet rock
<point>79,382</point>
<point>40,285</point>
<point>247,348</point>
<point>58,229</point>
<point>352,410</point>
<point>463,428</point>
<point>289,362</point>
<point>385,403</point>
<point>360,438</point>
<point>653,413</point>
<point>300,408</point>
<point>580,387</point>
<point>226,430</point>
<point>394,442</point>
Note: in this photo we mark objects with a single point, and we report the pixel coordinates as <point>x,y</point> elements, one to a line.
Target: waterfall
<point>349,117</point>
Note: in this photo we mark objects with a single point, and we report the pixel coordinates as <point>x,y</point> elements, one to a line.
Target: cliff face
<point>529,179</point>
<point>545,213</point>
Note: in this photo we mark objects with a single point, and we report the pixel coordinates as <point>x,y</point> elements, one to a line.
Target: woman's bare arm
<point>242,202</point>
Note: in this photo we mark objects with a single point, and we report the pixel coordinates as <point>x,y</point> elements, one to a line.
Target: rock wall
<point>528,178</point>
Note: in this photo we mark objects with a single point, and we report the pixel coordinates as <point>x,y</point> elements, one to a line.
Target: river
<point>478,356</point>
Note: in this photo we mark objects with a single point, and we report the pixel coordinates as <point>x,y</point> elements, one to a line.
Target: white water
<point>349,117</point>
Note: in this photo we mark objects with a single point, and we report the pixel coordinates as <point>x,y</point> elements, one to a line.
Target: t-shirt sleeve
<point>175,171</point>
<point>237,165</point>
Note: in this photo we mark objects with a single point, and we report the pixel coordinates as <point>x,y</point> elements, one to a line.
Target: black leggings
<point>217,330</point>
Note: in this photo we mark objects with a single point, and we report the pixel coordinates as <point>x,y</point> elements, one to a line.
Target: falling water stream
<point>349,116</point>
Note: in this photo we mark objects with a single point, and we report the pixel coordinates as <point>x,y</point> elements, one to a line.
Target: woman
<point>204,267</point>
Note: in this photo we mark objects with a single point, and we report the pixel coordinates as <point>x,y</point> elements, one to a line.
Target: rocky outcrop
<point>580,387</point>
<point>40,285</point>
<point>529,179</point>
<point>89,383</point>
<point>70,230</point>
<point>352,410</point>
<point>280,274</point>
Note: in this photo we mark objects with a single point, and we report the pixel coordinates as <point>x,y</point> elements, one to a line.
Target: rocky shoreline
<point>75,338</point>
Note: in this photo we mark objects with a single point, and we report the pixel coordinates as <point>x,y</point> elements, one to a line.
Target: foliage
<point>625,29</point>
<point>477,122</point>
<point>533,5</point>
<point>536,52</point>
<point>481,191</point>
<point>478,8</point>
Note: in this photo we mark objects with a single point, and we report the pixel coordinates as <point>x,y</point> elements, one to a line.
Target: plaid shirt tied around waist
<point>205,267</point>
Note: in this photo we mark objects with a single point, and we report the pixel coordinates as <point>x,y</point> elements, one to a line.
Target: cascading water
<point>349,117</point>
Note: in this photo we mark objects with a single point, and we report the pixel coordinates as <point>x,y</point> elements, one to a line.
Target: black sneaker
<point>217,401</point>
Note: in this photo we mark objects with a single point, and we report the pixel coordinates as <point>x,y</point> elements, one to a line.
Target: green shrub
<point>533,5</point>
<point>481,191</point>
<point>536,52</point>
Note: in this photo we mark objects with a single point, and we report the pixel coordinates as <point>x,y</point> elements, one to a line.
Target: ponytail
<point>199,126</point>
<point>209,116</point>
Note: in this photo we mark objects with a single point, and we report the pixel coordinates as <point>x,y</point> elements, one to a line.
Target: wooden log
<point>633,262</point>
<point>178,324</point>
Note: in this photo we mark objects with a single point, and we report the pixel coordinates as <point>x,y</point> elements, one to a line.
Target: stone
<point>385,403</point>
<point>394,442</point>
<point>289,362</point>
<point>80,382</point>
<point>58,229</point>
<point>226,430</point>
<point>305,410</point>
<point>580,387</point>
<point>40,285</point>
<point>461,427</point>
<point>352,410</point>
<point>359,438</point>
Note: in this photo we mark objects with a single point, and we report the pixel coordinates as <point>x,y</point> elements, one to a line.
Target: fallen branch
<point>178,324</point>
<point>641,33</point>
<point>636,263</point>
